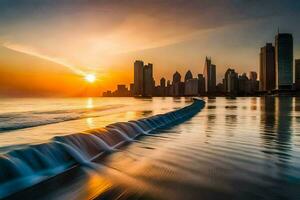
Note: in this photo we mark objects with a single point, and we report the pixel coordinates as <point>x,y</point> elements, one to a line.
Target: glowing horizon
<point>113,35</point>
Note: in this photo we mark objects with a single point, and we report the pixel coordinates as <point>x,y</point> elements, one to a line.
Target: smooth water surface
<point>243,148</point>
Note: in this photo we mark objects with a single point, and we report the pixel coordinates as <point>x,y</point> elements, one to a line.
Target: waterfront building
<point>230,81</point>
<point>253,75</point>
<point>178,89</point>
<point>284,61</point>
<point>138,77</point>
<point>176,77</point>
<point>131,89</point>
<point>160,90</point>
<point>243,85</point>
<point>209,73</point>
<point>267,68</point>
<point>201,84</point>
<point>297,74</point>
<point>191,87</point>
<point>148,80</point>
<point>163,82</point>
<point>253,82</point>
<point>219,88</point>
<point>188,76</point>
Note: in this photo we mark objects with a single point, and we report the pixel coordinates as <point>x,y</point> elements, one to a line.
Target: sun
<point>90,78</point>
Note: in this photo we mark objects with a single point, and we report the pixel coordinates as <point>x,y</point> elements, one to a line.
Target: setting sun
<point>90,78</point>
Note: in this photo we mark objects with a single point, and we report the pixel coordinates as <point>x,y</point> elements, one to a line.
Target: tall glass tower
<point>284,61</point>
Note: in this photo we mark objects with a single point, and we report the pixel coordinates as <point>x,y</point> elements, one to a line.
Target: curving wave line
<point>25,167</point>
<point>21,120</point>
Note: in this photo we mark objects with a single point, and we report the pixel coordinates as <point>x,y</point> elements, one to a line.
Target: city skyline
<point>95,44</point>
<point>278,74</point>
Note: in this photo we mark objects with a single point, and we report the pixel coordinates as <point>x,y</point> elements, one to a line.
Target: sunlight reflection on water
<point>235,148</point>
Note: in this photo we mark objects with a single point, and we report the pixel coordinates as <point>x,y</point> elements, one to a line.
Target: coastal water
<point>240,148</point>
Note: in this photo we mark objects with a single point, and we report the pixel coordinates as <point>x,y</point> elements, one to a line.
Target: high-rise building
<point>176,77</point>
<point>122,91</point>
<point>161,89</point>
<point>177,85</point>
<point>267,68</point>
<point>169,89</point>
<point>148,80</point>
<point>297,74</point>
<point>138,77</point>
<point>209,73</point>
<point>254,84</point>
<point>253,76</point>
<point>284,61</point>
<point>188,76</point>
<point>191,87</point>
<point>163,82</point>
<point>131,89</point>
<point>179,89</point>
<point>201,84</point>
<point>243,85</point>
<point>230,81</point>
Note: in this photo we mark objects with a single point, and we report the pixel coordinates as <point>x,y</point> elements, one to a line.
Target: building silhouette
<point>267,68</point>
<point>254,83</point>
<point>253,75</point>
<point>160,90</point>
<point>131,88</point>
<point>138,77</point>
<point>144,84</point>
<point>243,85</point>
<point>284,61</point>
<point>209,73</point>
<point>201,84</point>
<point>177,85</point>
<point>122,91</point>
<point>176,77</point>
<point>148,81</point>
<point>230,81</point>
<point>191,87</point>
<point>188,76</point>
<point>297,74</point>
<point>162,82</point>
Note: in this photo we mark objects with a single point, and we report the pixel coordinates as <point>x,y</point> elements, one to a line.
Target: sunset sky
<point>48,46</point>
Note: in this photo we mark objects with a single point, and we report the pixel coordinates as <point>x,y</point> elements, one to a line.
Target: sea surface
<point>234,148</point>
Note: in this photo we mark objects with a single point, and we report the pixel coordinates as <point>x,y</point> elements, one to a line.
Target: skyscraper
<point>148,80</point>
<point>176,77</point>
<point>284,61</point>
<point>209,73</point>
<point>267,68</point>
<point>254,84</point>
<point>297,74</point>
<point>201,84</point>
<point>253,75</point>
<point>163,82</point>
<point>191,87</point>
<point>230,81</point>
<point>243,85</point>
<point>138,77</point>
<point>178,86</point>
<point>162,87</point>
<point>188,76</point>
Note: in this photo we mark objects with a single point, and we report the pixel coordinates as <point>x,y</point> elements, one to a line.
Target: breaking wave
<point>25,167</point>
<point>21,120</point>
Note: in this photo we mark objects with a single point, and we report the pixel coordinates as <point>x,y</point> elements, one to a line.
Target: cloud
<point>92,33</point>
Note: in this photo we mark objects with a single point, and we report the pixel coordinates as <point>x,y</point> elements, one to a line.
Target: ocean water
<point>240,148</point>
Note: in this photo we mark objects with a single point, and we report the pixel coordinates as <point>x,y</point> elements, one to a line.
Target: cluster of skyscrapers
<point>202,84</point>
<point>276,74</point>
<point>276,66</point>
